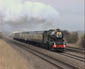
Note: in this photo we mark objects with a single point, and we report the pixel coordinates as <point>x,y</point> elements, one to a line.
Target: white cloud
<point>15,10</point>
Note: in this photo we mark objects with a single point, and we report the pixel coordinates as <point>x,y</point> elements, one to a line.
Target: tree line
<point>73,37</point>
<point>1,35</point>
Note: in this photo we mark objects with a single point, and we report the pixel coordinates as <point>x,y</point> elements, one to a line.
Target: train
<point>53,39</point>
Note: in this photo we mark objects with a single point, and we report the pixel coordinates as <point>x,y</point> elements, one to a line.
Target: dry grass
<point>11,59</point>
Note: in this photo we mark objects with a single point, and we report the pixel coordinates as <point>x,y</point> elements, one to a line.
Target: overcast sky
<point>71,12</point>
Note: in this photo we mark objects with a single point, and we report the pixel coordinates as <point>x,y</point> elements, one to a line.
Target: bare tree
<point>71,37</point>
<point>83,41</point>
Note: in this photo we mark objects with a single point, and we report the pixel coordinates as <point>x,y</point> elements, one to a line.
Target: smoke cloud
<point>27,16</point>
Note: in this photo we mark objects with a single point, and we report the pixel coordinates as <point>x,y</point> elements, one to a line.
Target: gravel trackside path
<point>10,58</point>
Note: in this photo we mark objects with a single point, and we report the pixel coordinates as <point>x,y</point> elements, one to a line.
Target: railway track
<point>71,55</point>
<point>74,56</point>
<point>49,58</point>
<point>79,50</point>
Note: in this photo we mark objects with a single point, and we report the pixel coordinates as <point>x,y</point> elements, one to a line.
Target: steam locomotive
<point>52,39</point>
